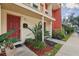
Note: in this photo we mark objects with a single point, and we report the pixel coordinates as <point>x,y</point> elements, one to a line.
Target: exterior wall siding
<point>57,25</point>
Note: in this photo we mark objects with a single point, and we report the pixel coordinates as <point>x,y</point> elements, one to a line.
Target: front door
<point>13,22</point>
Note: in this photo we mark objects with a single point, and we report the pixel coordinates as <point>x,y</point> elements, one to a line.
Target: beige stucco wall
<point>47,25</point>
<point>25,33</point>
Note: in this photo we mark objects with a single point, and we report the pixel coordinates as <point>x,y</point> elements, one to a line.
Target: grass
<point>54,51</point>
<point>67,37</point>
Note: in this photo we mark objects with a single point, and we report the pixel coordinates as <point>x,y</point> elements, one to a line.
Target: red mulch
<point>39,52</point>
<point>2,54</point>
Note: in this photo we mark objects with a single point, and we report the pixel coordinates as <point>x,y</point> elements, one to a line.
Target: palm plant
<point>4,40</point>
<point>37,31</point>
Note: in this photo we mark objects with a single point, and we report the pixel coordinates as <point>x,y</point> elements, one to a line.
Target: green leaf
<point>5,35</point>
<point>13,40</point>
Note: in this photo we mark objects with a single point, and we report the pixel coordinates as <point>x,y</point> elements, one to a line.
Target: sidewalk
<point>71,47</point>
<point>24,51</point>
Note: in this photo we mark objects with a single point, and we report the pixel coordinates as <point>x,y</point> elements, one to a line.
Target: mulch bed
<point>2,54</point>
<point>39,52</point>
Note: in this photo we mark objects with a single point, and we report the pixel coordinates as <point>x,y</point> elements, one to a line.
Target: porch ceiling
<point>21,10</point>
<point>18,9</point>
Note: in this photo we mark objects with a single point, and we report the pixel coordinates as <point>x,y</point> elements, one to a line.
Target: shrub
<point>38,45</point>
<point>29,40</point>
<point>58,34</point>
<point>35,43</point>
<point>62,34</point>
<point>68,29</point>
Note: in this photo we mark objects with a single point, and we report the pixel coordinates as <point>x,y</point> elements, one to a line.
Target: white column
<point>31,4</point>
<point>51,29</point>
<point>44,8</point>
<point>39,6</point>
<point>50,9</point>
<point>42,28</point>
<point>0,19</point>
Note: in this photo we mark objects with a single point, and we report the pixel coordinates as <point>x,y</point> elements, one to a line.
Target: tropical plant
<point>38,45</point>
<point>4,40</point>
<point>35,43</point>
<point>37,31</point>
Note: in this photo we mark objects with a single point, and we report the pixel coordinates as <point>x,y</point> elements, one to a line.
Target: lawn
<point>54,50</point>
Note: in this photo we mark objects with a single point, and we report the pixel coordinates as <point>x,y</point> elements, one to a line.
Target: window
<point>28,4</point>
<point>35,6</point>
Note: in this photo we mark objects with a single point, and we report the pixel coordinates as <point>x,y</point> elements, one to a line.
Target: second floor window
<point>35,6</point>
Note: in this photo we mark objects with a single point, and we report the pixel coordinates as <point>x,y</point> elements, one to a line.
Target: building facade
<point>14,15</point>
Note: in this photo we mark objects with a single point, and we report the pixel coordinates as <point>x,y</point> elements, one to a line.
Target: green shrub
<point>62,34</point>
<point>68,29</point>
<point>29,40</point>
<point>38,45</point>
<point>58,34</point>
<point>35,43</point>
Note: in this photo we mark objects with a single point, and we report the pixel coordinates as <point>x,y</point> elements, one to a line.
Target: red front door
<point>13,22</point>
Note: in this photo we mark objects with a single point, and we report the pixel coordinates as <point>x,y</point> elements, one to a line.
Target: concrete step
<point>56,40</point>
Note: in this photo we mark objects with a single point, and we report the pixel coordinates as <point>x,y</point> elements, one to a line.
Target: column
<point>0,19</point>
<point>44,8</point>
<point>50,9</point>
<point>39,6</point>
<point>42,28</point>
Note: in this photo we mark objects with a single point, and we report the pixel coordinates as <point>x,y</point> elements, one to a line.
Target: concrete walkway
<point>71,47</point>
<point>24,51</point>
<point>56,41</point>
